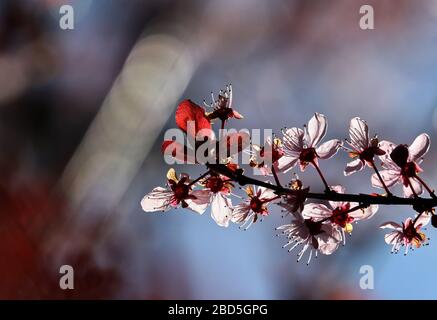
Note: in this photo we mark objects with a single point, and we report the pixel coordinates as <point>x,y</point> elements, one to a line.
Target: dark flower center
<point>340,216</point>
<point>369,153</point>
<point>256,205</point>
<point>409,170</point>
<point>180,190</point>
<point>215,184</point>
<point>411,233</point>
<point>314,227</point>
<point>399,155</point>
<point>308,155</point>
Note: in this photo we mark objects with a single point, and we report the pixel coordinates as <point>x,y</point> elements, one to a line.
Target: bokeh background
<point>83,112</point>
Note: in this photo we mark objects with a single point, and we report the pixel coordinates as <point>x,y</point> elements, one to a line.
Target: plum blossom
<point>222,107</point>
<point>303,145</point>
<point>271,151</point>
<point>248,211</point>
<point>219,188</point>
<point>177,193</point>
<point>294,200</point>
<point>339,213</point>
<point>310,235</point>
<point>408,234</point>
<point>401,164</point>
<point>363,149</point>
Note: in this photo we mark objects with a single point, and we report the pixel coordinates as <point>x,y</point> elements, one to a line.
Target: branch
<point>419,204</point>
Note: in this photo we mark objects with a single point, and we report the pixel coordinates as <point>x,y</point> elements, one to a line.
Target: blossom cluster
<point>314,227</point>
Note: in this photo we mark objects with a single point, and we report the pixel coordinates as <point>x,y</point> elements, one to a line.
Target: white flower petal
<point>328,149</point>
<point>338,189</point>
<point>353,166</point>
<point>391,225</point>
<point>293,140</point>
<point>359,134</point>
<point>328,248</point>
<point>201,202</point>
<point>423,220</point>
<point>285,163</point>
<point>157,200</point>
<point>329,240</point>
<point>419,147</point>
<point>386,146</point>
<point>221,209</point>
<point>390,178</point>
<point>393,237</point>
<point>365,213</point>
<point>316,211</point>
<point>266,193</point>
<point>417,186</point>
<point>317,127</point>
<point>240,212</point>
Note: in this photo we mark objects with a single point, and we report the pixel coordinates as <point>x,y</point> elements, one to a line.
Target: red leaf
<point>189,111</point>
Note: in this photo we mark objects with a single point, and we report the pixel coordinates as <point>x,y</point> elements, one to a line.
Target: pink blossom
<point>303,145</point>
<point>338,214</point>
<point>408,234</point>
<point>401,164</point>
<point>310,235</point>
<point>222,107</point>
<point>219,188</point>
<point>363,149</point>
<point>248,211</point>
<point>294,200</point>
<point>271,151</point>
<point>178,192</point>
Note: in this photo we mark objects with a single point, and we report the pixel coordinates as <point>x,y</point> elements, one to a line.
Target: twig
<point>365,199</point>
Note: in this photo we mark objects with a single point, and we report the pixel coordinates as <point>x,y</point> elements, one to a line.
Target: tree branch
<point>417,203</point>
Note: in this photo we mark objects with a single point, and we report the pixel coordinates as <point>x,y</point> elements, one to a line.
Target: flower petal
<point>266,193</point>
<point>200,202</point>
<point>393,237</point>
<point>293,140</point>
<point>387,147</point>
<point>353,166</point>
<point>391,225</point>
<point>317,127</point>
<point>359,134</point>
<point>328,247</point>
<point>417,186</point>
<point>423,220</point>
<point>390,178</point>
<point>221,209</point>
<point>240,212</point>
<point>328,149</point>
<point>285,163</point>
<point>316,211</point>
<point>419,147</point>
<point>365,213</point>
<point>329,239</point>
<point>157,200</point>
<point>237,115</point>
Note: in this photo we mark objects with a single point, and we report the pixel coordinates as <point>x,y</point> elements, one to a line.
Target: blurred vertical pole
<point>153,78</point>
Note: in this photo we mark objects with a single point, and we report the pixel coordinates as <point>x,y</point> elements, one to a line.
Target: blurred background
<point>83,113</point>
